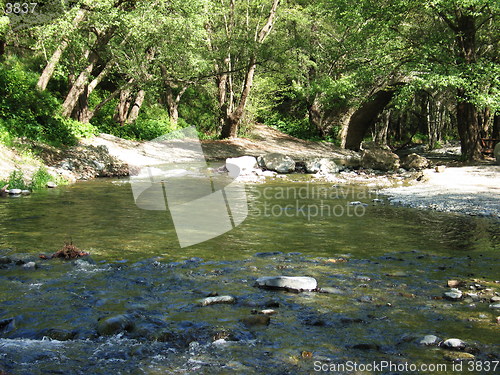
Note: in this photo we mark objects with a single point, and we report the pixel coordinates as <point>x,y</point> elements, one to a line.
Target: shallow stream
<point>385,269</point>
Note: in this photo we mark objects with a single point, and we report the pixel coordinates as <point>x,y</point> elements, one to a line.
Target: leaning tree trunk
<point>136,107</point>
<point>49,69</point>
<point>80,84</point>
<point>365,116</point>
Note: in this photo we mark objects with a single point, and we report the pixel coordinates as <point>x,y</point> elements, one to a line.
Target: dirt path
<point>471,190</point>
<point>262,140</point>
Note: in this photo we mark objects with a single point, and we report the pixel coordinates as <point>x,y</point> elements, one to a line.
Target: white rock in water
<point>51,184</point>
<point>30,265</point>
<point>495,306</point>
<point>218,299</point>
<point>453,344</point>
<point>454,294</point>
<point>15,191</point>
<point>25,192</point>
<point>241,165</point>
<point>297,283</point>
<point>429,340</point>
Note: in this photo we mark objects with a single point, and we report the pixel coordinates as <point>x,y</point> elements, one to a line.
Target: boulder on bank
<point>414,161</point>
<point>298,283</point>
<point>240,166</point>
<point>276,162</point>
<point>380,159</point>
<point>216,300</point>
<point>321,165</point>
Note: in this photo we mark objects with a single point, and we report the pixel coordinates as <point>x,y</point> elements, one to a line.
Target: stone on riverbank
<point>321,165</point>
<point>414,161</point>
<point>276,162</point>
<point>15,191</point>
<point>298,283</point>
<point>217,299</point>
<point>380,159</point>
<point>240,166</point>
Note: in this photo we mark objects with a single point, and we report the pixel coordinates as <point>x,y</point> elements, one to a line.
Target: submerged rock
<point>429,340</point>
<point>256,320</point>
<point>217,299</point>
<point>458,356</point>
<point>453,344</point>
<point>294,283</point>
<point>114,324</point>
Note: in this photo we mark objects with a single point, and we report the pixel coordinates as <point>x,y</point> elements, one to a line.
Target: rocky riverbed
<point>159,316</point>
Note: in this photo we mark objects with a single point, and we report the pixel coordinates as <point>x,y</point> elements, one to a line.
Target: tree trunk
<point>49,69</point>
<point>2,47</point>
<point>316,118</point>
<point>79,85</point>
<point>122,107</point>
<point>173,102</point>
<point>496,127</point>
<point>467,115</point>
<point>232,117</point>
<point>136,107</point>
<point>364,117</point>
<point>468,129</point>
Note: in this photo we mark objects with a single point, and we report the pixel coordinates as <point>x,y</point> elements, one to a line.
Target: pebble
<point>299,283</point>
<point>495,306</point>
<point>30,266</point>
<point>215,300</point>
<point>366,299</point>
<point>454,294</point>
<point>429,340</point>
<point>267,312</point>
<point>453,344</point>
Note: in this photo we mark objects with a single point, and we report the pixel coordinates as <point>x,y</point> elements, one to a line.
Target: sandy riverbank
<point>473,190</point>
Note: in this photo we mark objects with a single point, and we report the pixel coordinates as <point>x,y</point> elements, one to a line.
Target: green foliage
<point>16,180</point>
<point>28,112</point>
<point>40,178</point>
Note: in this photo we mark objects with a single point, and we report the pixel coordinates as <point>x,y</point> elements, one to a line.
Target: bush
<point>40,178</point>
<point>16,181</point>
<point>28,112</point>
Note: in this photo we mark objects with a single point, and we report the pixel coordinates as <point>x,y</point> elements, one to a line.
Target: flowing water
<point>386,269</point>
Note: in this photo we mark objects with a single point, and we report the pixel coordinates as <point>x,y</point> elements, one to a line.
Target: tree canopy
<point>333,70</point>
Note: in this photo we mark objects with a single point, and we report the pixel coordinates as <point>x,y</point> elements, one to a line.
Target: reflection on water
<point>101,217</point>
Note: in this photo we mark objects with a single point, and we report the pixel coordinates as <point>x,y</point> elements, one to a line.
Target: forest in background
<point>395,71</point>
